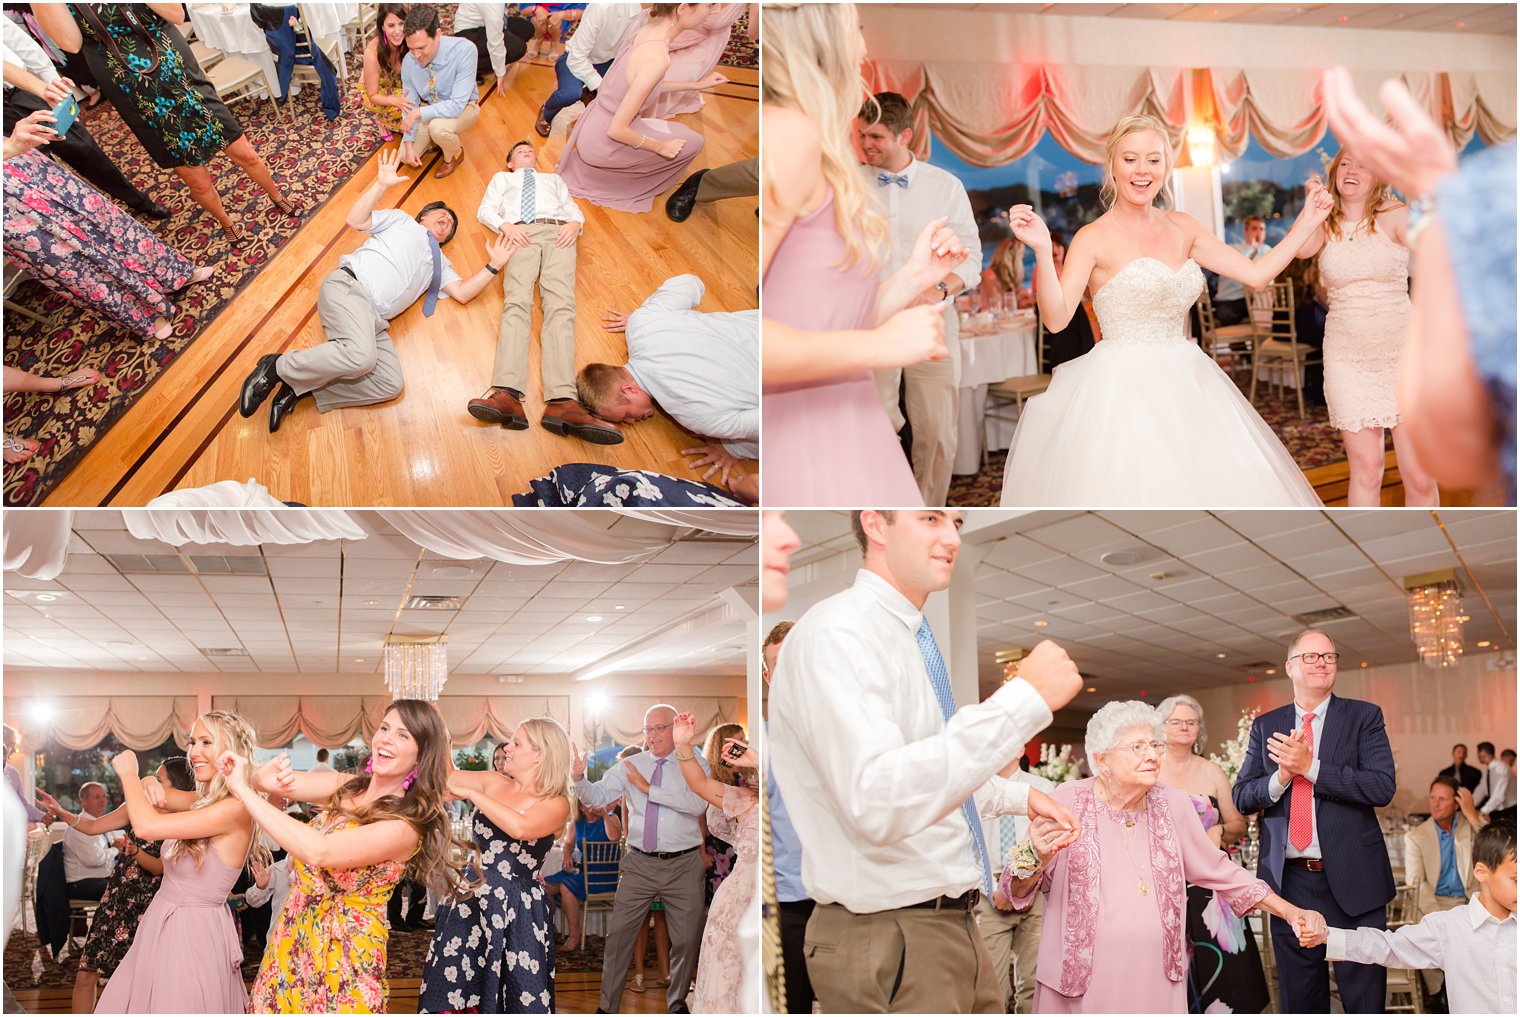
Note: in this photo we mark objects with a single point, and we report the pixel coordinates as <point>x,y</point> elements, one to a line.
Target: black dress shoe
<point>258,385</point>
<point>282,405</point>
<point>679,205</point>
<point>153,210</point>
<point>679,1006</point>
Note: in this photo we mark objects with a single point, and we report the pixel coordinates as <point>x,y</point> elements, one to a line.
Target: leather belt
<point>965,902</point>
<point>1312,864</point>
<point>558,222</point>
<point>662,855</point>
<point>350,272</point>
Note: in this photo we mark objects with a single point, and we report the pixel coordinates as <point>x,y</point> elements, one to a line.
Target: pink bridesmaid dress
<point>694,54</point>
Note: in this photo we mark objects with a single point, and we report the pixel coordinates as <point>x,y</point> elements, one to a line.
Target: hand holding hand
<point>682,730</point>
<point>615,321</point>
<point>1051,824</point>
<point>717,460</point>
<point>1414,154</point>
<point>1053,674</point>
<point>1311,928</point>
<point>1291,755</point>
<point>635,778</point>
<point>125,765</point>
<point>568,234</point>
<point>1029,228</point>
<point>577,763</point>
<point>911,336</point>
<point>390,169</point>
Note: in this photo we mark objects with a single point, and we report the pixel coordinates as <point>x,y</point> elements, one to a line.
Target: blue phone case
<point>64,115</point>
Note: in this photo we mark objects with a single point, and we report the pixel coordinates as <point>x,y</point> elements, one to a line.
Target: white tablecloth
<point>230,28</point>
<point>1008,352</point>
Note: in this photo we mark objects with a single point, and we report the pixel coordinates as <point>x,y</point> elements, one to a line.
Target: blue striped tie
<point>940,678</point>
<point>529,204</point>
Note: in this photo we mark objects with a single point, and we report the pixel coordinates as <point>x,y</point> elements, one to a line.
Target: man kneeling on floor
<point>702,368</point>
<point>401,261</point>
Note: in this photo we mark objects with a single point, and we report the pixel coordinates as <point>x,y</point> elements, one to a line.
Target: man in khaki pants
<point>534,213</point>
<point>438,79</point>
<point>884,778</point>
<point>1012,937</point>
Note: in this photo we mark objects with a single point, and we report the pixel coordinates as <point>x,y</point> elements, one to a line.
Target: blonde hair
<point>713,750</point>
<point>229,732</point>
<point>1375,200</point>
<point>806,49</point>
<point>1123,129</point>
<point>596,386</point>
<point>552,775</point>
<point>1008,264</point>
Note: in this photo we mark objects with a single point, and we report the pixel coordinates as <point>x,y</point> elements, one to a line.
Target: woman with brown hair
<point>327,953</point>
<point>382,70</point>
<point>145,67</point>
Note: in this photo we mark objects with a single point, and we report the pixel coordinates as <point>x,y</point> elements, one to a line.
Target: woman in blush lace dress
<point>1364,262</point>
<point>733,816</point>
<point>1146,418</point>
<point>1114,938</point>
<point>830,320</point>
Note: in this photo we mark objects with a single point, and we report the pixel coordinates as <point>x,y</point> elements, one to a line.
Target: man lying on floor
<point>703,369</point>
<point>401,261</point>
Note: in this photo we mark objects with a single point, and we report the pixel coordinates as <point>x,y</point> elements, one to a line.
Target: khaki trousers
<point>357,365</point>
<point>1435,977</point>
<point>1013,942</point>
<point>736,180</point>
<point>933,403</point>
<point>553,269</point>
<point>444,132</point>
<point>642,879</point>
<point>912,960</point>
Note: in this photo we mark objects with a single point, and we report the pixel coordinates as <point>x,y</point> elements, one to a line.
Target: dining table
<point>230,28</point>
<point>992,348</point>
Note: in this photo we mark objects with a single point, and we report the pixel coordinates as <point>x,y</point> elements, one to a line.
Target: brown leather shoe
<point>447,167</point>
<point>566,416</point>
<point>499,406</point>
<point>542,124</point>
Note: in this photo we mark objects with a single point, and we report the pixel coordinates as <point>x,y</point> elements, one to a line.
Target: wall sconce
<point>1200,142</point>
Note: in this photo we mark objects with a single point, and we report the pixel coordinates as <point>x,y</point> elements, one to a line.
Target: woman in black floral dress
<point>493,950</point>
<point>131,886</point>
<point>146,69</point>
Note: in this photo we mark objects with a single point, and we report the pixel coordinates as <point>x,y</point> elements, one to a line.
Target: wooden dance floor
<point>423,449</point>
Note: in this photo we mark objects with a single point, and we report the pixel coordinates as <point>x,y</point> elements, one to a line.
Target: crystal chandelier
<point>416,666</point>
<point>1436,617</point>
<point>1008,662</point>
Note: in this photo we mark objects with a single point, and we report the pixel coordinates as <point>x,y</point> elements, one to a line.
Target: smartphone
<point>64,115</point>
<point>736,749</point>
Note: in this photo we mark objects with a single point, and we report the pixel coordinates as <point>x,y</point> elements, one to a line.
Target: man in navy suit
<point>1316,770</point>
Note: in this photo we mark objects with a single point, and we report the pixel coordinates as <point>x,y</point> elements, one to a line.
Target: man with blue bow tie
<point>914,194</point>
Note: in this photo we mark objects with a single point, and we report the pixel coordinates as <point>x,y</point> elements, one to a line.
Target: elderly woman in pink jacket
<point>1115,932</point>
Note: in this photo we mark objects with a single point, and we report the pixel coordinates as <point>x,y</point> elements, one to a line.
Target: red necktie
<point>1301,806</point>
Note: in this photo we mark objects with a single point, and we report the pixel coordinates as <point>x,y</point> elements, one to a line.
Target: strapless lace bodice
<point>1146,302</point>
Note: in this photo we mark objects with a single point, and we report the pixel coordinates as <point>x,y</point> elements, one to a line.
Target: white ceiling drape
<point>37,542</point>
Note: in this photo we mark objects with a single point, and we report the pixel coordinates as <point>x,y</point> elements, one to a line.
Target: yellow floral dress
<point>327,954</point>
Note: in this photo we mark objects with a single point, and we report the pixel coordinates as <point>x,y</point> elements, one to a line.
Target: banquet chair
<point>1013,391</point>
<point>602,858</point>
<point>357,29</point>
<point>1404,994</point>
<point>1281,350</point>
<point>1236,341</point>
<point>1259,923</point>
<point>36,847</point>
<point>332,47</point>
<point>15,275</point>
<point>204,55</point>
<point>235,78</point>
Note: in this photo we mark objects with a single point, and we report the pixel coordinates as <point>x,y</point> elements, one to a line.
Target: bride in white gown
<point>1146,417</point>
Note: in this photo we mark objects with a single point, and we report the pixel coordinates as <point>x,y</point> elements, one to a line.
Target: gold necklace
<point>1129,835</point>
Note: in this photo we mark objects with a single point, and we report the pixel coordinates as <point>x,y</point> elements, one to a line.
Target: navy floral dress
<point>493,951</point>
<point>129,891</point>
<point>73,240</point>
<point>145,67</point>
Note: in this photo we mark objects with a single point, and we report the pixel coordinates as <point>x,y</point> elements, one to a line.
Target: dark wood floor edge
<point>237,351</point>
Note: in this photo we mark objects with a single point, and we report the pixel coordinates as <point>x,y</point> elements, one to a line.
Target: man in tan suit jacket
<point>1442,883</point>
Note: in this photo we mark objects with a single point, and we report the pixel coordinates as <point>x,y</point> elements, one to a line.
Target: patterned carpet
<point>1311,442</point>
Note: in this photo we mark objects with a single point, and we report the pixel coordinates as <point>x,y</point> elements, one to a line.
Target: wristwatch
<point>492,269</point>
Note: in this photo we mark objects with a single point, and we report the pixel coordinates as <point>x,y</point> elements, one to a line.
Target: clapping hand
<point>1292,756</point>
<point>1414,155</point>
<point>635,778</point>
<point>1029,228</point>
<point>390,169</point>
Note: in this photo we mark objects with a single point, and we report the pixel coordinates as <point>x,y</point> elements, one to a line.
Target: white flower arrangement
<point>1056,764</point>
<point>1232,754</point>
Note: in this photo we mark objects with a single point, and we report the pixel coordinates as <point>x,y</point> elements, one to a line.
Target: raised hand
<point>747,758</point>
<point>49,805</point>
<point>1414,155</point>
<point>125,765</point>
<point>260,873</point>
<point>577,763</point>
<point>154,792</point>
<point>275,775</point>
<point>1317,207</point>
<point>390,169</point>
<point>1053,674</point>
<point>936,252</point>
<point>683,730</point>
<point>1028,227</point>
<point>635,778</point>
<point>234,768</point>
<point>911,336</point>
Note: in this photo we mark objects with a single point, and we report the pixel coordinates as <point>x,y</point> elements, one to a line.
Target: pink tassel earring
<point>369,765</point>
<point>406,785</point>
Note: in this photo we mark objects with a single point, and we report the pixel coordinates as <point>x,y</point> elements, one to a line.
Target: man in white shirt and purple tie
<point>662,859</point>
<point>914,194</point>
<point>885,780</point>
<point>535,215</point>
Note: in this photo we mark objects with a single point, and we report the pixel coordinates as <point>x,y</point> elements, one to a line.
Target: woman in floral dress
<point>75,241</point>
<point>734,817</point>
<point>327,953</point>
<point>493,949</point>
<point>383,94</point>
<point>719,849</point>
<point>132,884</point>
<point>145,67</point>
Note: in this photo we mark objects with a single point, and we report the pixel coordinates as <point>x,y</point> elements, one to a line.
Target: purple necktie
<point>652,812</point>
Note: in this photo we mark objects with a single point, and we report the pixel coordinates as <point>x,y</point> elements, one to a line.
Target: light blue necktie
<point>1006,838</point>
<point>527,199</point>
<point>430,302</point>
<point>884,178</point>
<point>940,679</point>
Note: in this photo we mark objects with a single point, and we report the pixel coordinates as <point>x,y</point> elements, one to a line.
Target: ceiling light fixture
<point>416,667</point>
<point>593,617</point>
<point>1436,617</point>
<point>1008,662</point>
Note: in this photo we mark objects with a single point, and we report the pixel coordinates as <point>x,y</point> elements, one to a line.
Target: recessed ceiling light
<point>47,596</point>
<point>593,617</point>
<point>1485,643</point>
<point>618,607</point>
<point>370,603</point>
<point>1220,656</point>
<point>453,571</point>
<point>1041,624</point>
<point>358,660</point>
<point>1271,670</point>
<point>1091,689</point>
<point>1364,663</point>
<point>1121,559</point>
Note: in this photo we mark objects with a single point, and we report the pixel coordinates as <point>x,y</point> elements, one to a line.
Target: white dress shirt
<point>503,200</point>
<point>1475,949</point>
<point>493,18</point>
<point>1495,781</point>
<point>702,368</point>
<point>1233,289</point>
<point>873,775</point>
<point>999,847</point>
<point>395,265</point>
<point>597,39</point>
<point>680,805</point>
<point>87,856</point>
<point>275,893</point>
<point>1276,790</point>
<point>932,193</point>
<point>22,50</point>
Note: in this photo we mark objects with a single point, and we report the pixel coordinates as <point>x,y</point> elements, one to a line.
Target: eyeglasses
<point>1181,723</point>
<point>657,728</point>
<point>1315,658</point>
<point>1137,749</point>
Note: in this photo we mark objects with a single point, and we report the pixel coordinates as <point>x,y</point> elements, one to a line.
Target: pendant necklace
<point>1129,834</point>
